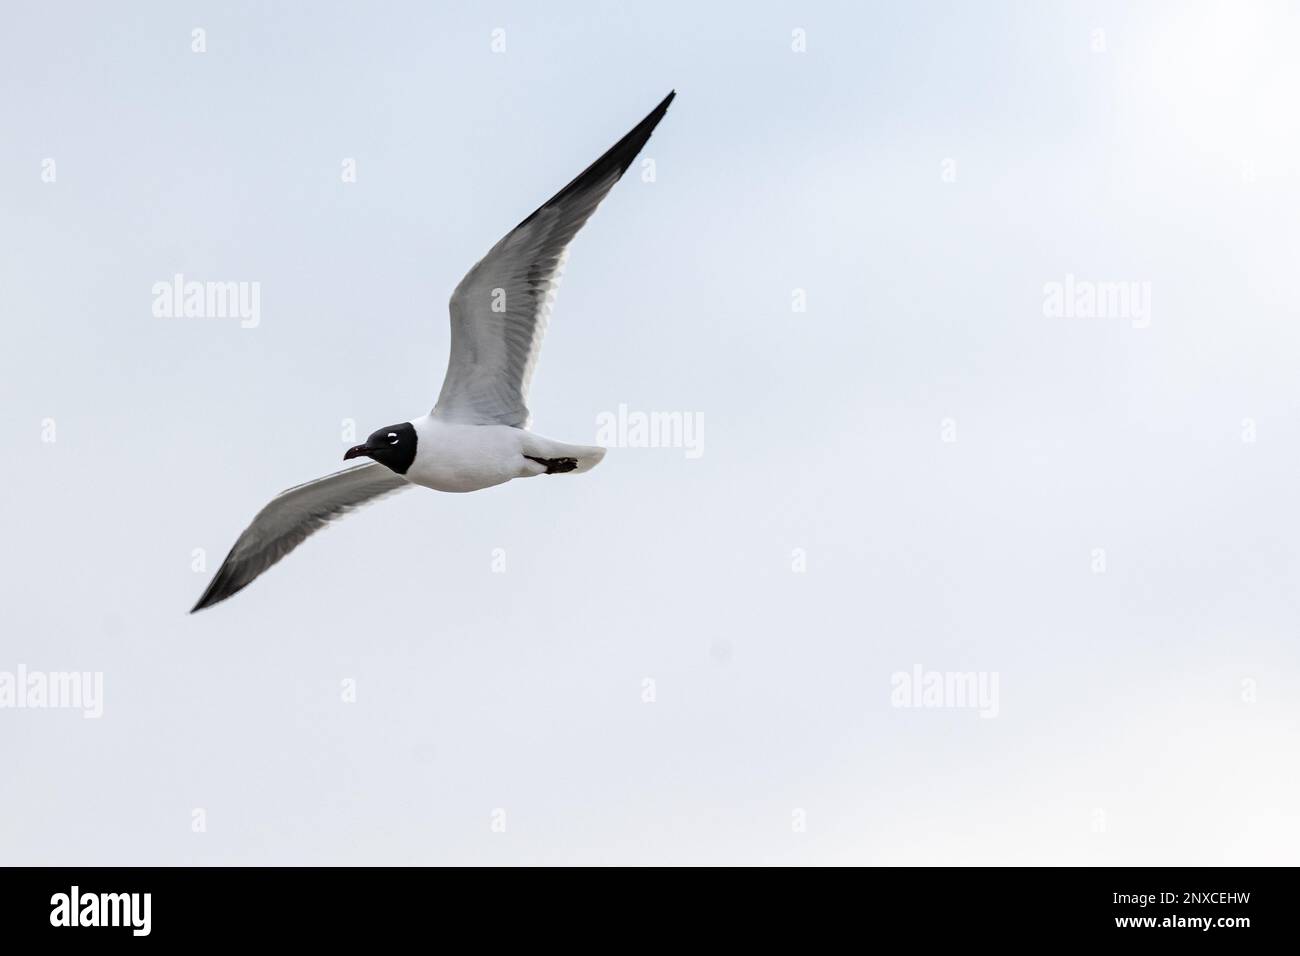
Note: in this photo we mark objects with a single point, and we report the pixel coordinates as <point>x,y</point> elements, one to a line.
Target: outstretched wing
<point>290,518</point>
<point>500,309</point>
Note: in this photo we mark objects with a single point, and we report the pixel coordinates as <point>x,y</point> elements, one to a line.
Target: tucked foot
<point>555,466</point>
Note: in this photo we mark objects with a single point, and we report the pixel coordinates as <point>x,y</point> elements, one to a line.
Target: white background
<point>1146,714</point>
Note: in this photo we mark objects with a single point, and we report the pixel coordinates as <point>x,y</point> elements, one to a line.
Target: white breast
<point>450,457</point>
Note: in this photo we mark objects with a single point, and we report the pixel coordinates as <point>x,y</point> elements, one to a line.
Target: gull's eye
<point>392,438</point>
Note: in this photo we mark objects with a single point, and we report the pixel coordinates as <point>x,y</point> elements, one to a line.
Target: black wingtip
<point>219,588</point>
<point>206,600</point>
<point>626,149</point>
<point>210,596</point>
<point>616,159</point>
<point>215,594</point>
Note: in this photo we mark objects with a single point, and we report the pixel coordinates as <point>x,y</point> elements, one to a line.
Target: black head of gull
<point>393,447</point>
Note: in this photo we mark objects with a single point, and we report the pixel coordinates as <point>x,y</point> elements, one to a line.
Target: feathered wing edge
<point>290,518</point>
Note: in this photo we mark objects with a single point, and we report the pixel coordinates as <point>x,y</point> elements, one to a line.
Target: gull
<point>476,435</point>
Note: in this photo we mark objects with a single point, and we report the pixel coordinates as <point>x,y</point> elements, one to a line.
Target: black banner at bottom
<point>215,905</point>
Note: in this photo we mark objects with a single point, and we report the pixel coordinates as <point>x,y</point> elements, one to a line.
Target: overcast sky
<point>846,264</point>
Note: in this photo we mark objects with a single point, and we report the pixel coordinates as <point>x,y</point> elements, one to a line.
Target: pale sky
<point>840,267</point>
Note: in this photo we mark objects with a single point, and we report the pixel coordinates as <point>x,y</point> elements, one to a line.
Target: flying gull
<point>477,434</point>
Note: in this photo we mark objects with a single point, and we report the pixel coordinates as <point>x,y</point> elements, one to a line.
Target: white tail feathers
<point>588,456</point>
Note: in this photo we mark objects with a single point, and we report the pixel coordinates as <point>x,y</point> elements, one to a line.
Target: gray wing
<point>500,309</point>
<point>290,518</point>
